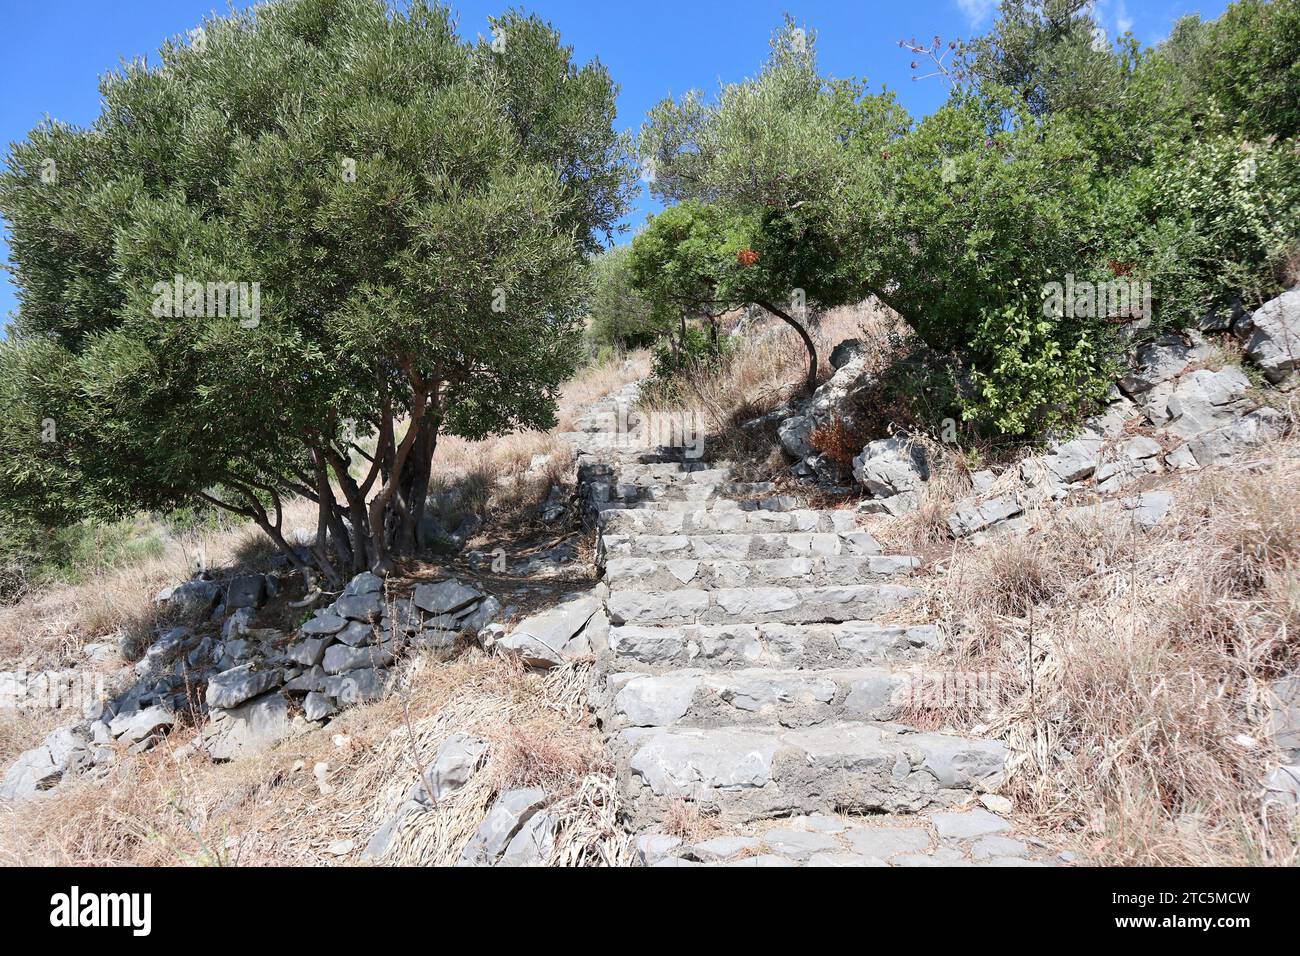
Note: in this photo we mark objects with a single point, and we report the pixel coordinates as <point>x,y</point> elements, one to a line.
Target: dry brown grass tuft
<point>685,819</point>
<point>1131,667</point>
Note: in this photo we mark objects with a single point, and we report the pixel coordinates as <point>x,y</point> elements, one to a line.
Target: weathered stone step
<point>760,695</point>
<point>850,602</point>
<point>720,646</point>
<point>752,772</point>
<point>668,472</point>
<point>742,522</point>
<point>649,574</point>
<point>738,547</point>
<point>774,503</point>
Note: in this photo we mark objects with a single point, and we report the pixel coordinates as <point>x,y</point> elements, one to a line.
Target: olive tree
<point>778,171</point>
<point>311,221</point>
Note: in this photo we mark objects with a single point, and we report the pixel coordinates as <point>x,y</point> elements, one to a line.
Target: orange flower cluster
<point>747,257</point>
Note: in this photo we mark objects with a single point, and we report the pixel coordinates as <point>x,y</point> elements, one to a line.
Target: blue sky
<point>52,51</point>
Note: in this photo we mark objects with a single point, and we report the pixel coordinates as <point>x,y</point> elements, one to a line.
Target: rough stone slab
<point>445,597</point>
<point>506,818</point>
<point>885,842</point>
<point>232,687</point>
<point>968,825</point>
<point>251,728</point>
<point>1272,336</point>
<point>546,639</point>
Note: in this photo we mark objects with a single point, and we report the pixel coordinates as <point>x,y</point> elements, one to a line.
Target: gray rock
<point>309,680</point>
<point>445,597</point>
<point>307,651</point>
<point>885,842</point>
<point>1256,428</point>
<point>799,844</point>
<point>850,350</point>
<point>1282,789</point>
<point>231,688</point>
<point>340,658</point>
<point>358,686</point>
<point>1075,459</point>
<point>481,616</point>
<point>141,724</point>
<point>364,583</point>
<point>455,763</point>
<point>196,595</point>
<point>652,847</point>
<point>533,844</point>
<point>506,818</point>
<point>1272,336</point>
<point>1149,508</point>
<point>238,624</point>
<point>246,591</point>
<point>1165,358</point>
<point>360,607</point>
<point>724,848</point>
<point>892,466</point>
<point>251,728</point>
<point>993,847</point>
<point>960,761</point>
<point>62,752</point>
<point>356,634</point>
<point>968,825</point>
<point>317,706</point>
<point>972,516</point>
<point>544,640</point>
<point>324,624</point>
<point>382,841</point>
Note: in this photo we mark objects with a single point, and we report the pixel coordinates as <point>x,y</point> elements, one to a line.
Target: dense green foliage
<point>617,314</point>
<point>1060,158</point>
<point>415,210</point>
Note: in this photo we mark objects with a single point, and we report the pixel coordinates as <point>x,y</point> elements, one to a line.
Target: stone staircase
<point>745,668</point>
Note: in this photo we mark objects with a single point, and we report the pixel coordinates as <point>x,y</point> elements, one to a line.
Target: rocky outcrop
<point>1271,336</point>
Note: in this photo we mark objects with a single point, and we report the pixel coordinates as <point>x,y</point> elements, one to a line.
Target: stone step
<point>759,695</point>
<point>732,522</point>
<point>675,473</point>
<point>774,503</point>
<point>738,547</point>
<point>801,605</point>
<point>703,490</point>
<point>722,646</point>
<point>648,574</point>
<point>751,772</point>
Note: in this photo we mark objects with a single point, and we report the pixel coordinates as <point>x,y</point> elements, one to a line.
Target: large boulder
<point>251,728</point>
<point>892,466</point>
<point>549,638</point>
<point>1272,336</point>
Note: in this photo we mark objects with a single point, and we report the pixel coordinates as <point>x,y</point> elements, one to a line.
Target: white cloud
<point>1123,22</point>
<point>976,11</point>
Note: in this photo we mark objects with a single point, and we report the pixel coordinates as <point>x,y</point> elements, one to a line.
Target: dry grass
<point>500,464</point>
<point>161,809</point>
<point>768,370</point>
<point>1132,666</point>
